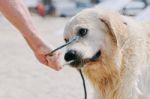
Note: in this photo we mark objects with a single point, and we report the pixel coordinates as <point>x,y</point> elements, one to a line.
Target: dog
<point>113,51</point>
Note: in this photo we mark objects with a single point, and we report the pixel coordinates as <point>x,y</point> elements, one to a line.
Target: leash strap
<point>84,85</point>
<point>62,46</point>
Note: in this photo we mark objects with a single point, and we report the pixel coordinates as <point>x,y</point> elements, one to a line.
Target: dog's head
<point>98,35</point>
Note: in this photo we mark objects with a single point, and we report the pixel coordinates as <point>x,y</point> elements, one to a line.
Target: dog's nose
<point>71,55</point>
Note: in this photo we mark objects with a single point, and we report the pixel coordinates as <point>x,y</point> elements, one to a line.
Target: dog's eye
<point>82,32</point>
<point>66,40</point>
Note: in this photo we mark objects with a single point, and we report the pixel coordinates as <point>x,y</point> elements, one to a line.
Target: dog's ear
<point>116,27</point>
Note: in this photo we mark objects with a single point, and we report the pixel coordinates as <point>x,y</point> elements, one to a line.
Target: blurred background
<point>22,76</point>
<point>65,8</point>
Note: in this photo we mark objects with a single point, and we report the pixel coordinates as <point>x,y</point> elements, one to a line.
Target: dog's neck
<point>109,82</point>
<point>108,87</point>
<point>105,79</point>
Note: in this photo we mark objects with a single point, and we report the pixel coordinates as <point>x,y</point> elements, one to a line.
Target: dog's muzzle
<point>75,59</point>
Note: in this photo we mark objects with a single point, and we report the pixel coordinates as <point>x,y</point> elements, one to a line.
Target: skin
<point>17,13</point>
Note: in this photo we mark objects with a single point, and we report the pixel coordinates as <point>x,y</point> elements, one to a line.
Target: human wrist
<point>35,42</point>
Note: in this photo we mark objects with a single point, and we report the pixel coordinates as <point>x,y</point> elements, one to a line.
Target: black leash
<point>62,46</point>
<point>73,40</point>
<point>84,85</point>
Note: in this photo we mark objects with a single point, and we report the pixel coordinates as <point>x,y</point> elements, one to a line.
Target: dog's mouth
<point>78,63</point>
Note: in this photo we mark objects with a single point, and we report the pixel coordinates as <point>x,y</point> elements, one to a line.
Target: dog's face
<point>95,42</point>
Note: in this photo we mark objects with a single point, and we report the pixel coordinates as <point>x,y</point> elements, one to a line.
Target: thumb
<point>53,62</point>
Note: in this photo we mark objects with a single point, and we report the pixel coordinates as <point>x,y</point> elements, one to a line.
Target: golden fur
<point>125,53</point>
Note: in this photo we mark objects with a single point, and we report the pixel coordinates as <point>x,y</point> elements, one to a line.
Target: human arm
<point>17,13</point>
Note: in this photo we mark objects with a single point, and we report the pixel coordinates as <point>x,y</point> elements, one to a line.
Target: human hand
<point>50,61</point>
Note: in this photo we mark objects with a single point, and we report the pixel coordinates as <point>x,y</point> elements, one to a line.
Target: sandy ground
<point>23,77</point>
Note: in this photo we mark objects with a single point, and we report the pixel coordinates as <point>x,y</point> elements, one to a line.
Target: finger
<point>53,63</point>
<point>54,66</point>
<point>45,62</point>
<point>42,59</point>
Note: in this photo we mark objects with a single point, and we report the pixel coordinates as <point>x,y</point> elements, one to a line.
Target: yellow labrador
<point>113,51</point>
